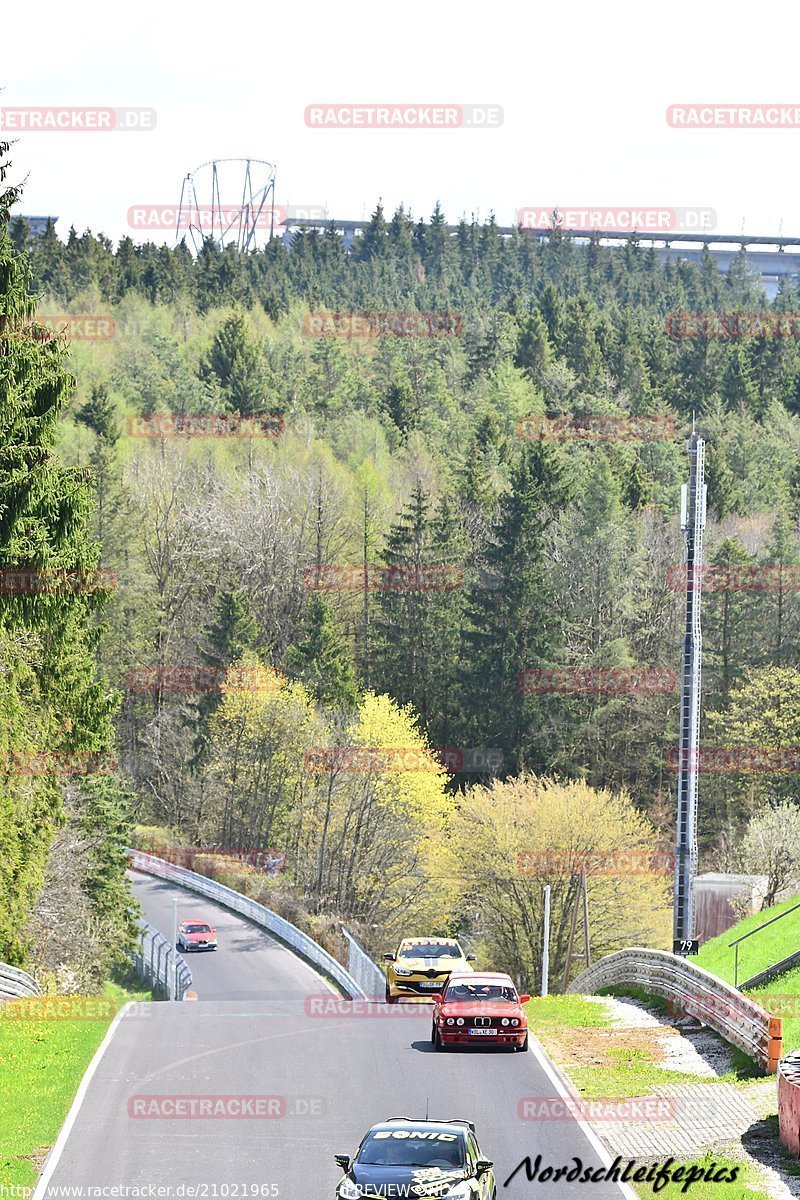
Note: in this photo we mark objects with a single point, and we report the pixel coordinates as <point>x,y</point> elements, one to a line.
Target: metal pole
<point>576,885</point>
<point>546,941</point>
<point>174,948</point>
<point>693,515</point>
<point>586,955</point>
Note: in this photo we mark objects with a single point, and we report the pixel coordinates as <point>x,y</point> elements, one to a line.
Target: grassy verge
<point>757,952</point>
<point>43,1062</point>
<point>745,1183</point>
<point>614,1071</point>
<point>579,1035</point>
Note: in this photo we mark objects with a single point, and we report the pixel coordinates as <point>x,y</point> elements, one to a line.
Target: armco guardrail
<point>15,983</point>
<point>282,929</point>
<point>364,969</point>
<point>694,992</point>
<point>156,962</point>
<point>789,1101</point>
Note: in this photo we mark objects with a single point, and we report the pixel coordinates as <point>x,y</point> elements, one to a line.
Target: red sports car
<point>480,1008</point>
<point>196,935</point>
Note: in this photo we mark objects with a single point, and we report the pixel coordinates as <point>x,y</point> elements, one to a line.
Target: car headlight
<point>514,1021</point>
<point>347,1190</point>
<point>459,1192</point>
<point>451,1020</point>
<point>504,1021</point>
<point>459,1021</point>
<point>402,971</point>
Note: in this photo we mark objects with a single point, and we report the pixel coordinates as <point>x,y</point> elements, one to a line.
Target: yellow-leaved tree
<point>512,838</point>
<point>259,737</point>
<point>373,835</point>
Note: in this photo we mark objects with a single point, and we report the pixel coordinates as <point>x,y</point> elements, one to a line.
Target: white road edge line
<point>537,1049</point>
<point>51,1162</point>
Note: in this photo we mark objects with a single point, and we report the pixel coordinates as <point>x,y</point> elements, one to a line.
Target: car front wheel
<point>438,1044</point>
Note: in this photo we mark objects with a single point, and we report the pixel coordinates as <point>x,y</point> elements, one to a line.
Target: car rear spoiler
<point>435,1121</point>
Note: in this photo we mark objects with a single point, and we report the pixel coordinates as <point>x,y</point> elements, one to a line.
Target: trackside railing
<point>283,930</point>
<point>15,983</point>
<point>156,962</point>
<point>751,933</point>
<point>366,972</point>
<point>693,992</point>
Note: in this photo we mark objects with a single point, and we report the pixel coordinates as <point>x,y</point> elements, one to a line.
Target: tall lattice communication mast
<point>693,520</point>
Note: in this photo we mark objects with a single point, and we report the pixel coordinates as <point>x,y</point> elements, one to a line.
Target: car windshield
<point>400,1148</point>
<point>197,928</point>
<point>480,991</point>
<point>433,950</point>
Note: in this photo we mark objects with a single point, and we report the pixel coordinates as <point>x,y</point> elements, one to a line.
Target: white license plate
<point>482,1032</point>
<point>432,985</point>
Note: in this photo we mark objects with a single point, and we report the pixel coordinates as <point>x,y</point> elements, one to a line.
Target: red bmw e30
<point>196,935</point>
<point>480,1009</point>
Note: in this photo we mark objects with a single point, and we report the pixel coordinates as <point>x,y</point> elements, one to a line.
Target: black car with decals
<point>402,1157</point>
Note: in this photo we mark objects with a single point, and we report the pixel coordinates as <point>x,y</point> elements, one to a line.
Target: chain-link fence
<point>156,962</point>
<point>259,914</point>
<point>366,972</point>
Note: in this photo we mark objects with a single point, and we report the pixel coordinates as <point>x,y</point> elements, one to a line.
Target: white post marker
<point>546,945</point>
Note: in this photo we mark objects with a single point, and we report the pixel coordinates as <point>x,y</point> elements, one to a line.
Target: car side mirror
<point>482,1166</point>
<point>437,996</point>
<point>343,1160</point>
<point>524,998</point>
<point>388,958</point>
<point>472,958</point>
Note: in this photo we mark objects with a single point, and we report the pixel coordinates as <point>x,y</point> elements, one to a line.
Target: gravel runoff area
<point>733,1119</point>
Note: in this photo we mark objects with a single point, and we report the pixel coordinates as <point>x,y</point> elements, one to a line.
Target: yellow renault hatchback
<point>422,966</point>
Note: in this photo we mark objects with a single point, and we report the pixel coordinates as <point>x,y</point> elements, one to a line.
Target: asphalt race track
<point>253,1033</point>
